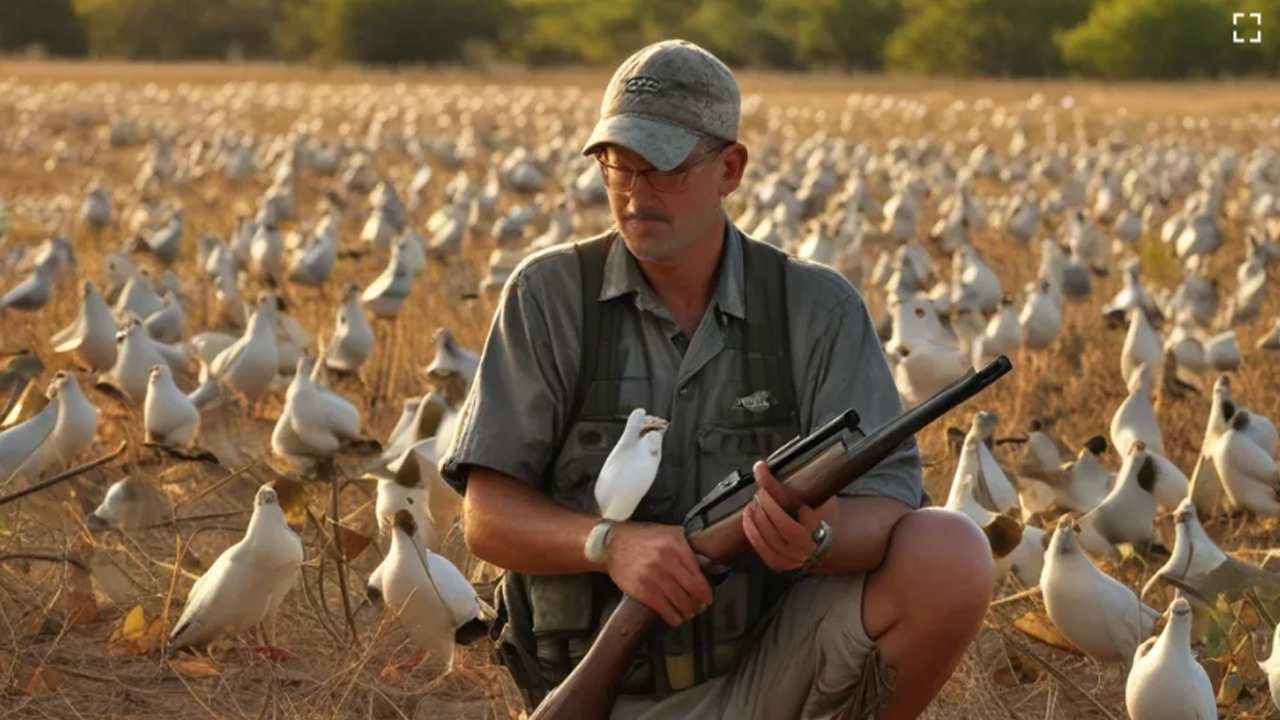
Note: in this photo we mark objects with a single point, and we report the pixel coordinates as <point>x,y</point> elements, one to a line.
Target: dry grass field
<point>61,654</point>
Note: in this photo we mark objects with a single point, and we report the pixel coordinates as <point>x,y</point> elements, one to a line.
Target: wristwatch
<point>598,540</point>
<point>821,536</point>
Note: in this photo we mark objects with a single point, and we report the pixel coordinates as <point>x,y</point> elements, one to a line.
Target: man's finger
<point>788,528</point>
<point>765,480</point>
<point>768,552</point>
<point>684,603</point>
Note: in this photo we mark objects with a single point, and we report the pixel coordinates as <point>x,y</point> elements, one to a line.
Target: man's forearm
<point>511,525</point>
<point>860,528</point>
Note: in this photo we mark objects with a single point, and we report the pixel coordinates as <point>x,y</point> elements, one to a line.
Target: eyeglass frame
<point>676,172</point>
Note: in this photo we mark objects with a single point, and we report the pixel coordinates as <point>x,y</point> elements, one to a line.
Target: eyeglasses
<point>623,180</point>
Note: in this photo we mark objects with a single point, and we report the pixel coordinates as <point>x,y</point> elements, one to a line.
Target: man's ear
<point>735,162</point>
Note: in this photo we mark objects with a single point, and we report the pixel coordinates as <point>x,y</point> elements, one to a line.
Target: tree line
<point>1114,39</point>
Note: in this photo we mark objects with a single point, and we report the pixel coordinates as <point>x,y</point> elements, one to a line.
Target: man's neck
<point>685,284</point>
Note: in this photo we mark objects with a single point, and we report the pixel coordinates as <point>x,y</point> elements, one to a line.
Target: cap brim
<point>664,145</point>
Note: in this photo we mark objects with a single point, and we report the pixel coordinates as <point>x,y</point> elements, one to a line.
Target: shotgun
<point>812,469</point>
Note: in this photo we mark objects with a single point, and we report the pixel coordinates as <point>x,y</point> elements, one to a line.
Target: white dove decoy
<point>250,364</point>
<point>1142,346</point>
<point>77,421</point>
<point>166,243</point>
<point>136,353</point>
<point>1222,351</point>
<point>20,443</point>
<point>315,422</point>
<point>1081,485</point>
<point>925,357</point>
<point>974,281</point>
<point>1041,316</point>
<point>169,323</point>
<point>1248,473</point>
<point>1135,419</point>
<point>266,254</point>
<point>96,209</point>
<point>410,247</point>
<point>1127,514</point>
<point>130,503</point>
<point>353,340</point>
<point>1028,558</point>
<point>1271,666</point>
<point>428,596</point>
<point>244,587</point>
<point>451,359</point>
<point>1133,295</point>
<point>991,487</point>
<point>93,334</point>
<point>138,297</point>
<point>388,291</point>
<point>229,310</point>
<point>1000,337</point>
<point>1003,532</point>
<point>313,264</point>
<point>632,464</point>
<point>169,416</point>
<point>32,293</point>
<point>407,489</point>
<point>1094,611</point>
<point>1166,682</point>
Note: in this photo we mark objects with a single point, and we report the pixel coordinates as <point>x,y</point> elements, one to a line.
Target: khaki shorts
<point>814,660</point>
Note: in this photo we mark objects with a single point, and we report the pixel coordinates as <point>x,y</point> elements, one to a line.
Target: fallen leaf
<point>391,672</point>
<point>193,668</point>
<point>1039,627</point>
<point>136,636</point>
<point>351,542</point>
<point>44,679</point>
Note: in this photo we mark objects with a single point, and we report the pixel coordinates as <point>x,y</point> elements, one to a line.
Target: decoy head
<point>266,496</point>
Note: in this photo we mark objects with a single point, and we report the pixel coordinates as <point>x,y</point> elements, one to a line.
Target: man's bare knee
<point>938,561</point>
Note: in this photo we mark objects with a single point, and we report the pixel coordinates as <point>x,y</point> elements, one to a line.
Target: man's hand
<point>783,542</point>
<point>655,565</point>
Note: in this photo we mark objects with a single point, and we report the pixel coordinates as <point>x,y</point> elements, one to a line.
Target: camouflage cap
<point>663,98</point>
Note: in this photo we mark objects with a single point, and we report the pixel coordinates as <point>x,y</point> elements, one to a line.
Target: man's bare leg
<point>926,602</point>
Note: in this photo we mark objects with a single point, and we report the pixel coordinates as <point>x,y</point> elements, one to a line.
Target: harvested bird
<point>1248,473</point>
<point>1166,682</point>
<point>353,340</point>
<point>1127,514</point>
<point>32,293</point>
<point>315,422</point>
<point>1094,611</point>
<point>1135,419</point>
<point>244,587</point>
<point>93,333</point>
<point>428,596</point>
<point>130,503</point>
<point>632,464</point>
<point>170,417</point>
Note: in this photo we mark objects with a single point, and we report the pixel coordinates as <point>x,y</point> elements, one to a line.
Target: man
<point>740,348</point>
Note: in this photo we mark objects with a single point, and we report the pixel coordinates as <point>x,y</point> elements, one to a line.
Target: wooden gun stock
<point>589,692</point>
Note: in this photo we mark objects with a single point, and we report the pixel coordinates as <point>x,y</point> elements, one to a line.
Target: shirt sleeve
<point>848,369</point>
<point>517,403</point>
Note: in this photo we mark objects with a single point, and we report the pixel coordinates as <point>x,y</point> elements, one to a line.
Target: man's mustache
<point>646,215</point>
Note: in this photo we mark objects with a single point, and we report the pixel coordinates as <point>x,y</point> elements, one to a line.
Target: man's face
<point>660,226</point>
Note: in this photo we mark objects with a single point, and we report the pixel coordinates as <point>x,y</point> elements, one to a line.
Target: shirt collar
<point>622,275</point>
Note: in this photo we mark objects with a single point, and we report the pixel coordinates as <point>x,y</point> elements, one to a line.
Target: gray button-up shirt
<point>518,406</point>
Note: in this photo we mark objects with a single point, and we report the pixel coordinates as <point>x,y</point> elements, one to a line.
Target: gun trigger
<point>715,572</point>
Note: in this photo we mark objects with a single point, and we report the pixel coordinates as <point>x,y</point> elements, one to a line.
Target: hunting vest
<point>553,619</point>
